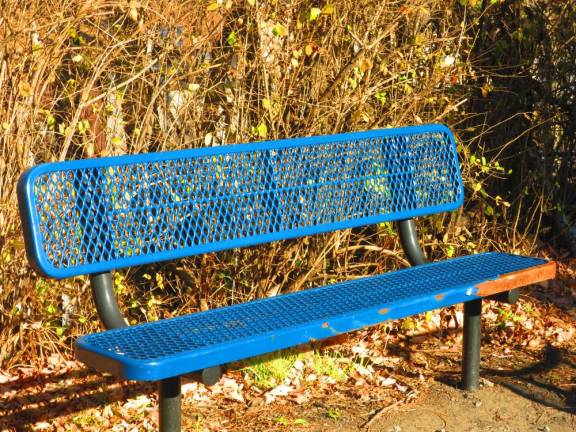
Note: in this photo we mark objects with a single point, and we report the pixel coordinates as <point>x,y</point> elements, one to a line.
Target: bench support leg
<point>409,240</point>
<point>169,403</point>
<point>471,345</point>
<point>211,375</point>
<point>105,300</point>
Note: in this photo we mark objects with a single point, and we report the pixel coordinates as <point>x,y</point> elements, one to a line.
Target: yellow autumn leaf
<point>212,6</point>
<point>133,12</point>
<point>24,88</point>
<point>365,65</point>
<point>486,89</point>
<point>308,50</point>
<point>279,30</point>
<point>262,130</point>
<point>315,13</point>
<point>328,9</point>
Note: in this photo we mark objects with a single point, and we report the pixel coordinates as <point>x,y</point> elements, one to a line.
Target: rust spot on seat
<point>439,297</point>
<point>383,311</point>
<point>325,325</point>
<point>517,279</point>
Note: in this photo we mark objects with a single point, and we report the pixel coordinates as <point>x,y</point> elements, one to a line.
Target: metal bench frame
<point>169,389</point>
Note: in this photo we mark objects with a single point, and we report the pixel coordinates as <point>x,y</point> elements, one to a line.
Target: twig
<point>346,70</point>
<point>103,62</point>
<point>119,86</point>
<point>374,248</point>
<point>448,109</point>
<point>385,409</point>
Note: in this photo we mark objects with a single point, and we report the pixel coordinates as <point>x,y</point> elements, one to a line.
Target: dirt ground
<point>522,390</point>
<point>537,396</point>
<point>497,408</point>
<point>532,390</point>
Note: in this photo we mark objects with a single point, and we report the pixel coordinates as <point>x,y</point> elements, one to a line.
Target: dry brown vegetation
<point>84,79</point>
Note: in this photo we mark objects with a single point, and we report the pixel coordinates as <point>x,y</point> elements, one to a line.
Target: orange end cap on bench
<point>517,279</point>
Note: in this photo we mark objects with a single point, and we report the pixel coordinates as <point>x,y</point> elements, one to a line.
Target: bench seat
<point>176,346</point>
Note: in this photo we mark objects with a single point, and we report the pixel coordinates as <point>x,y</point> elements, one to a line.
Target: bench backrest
<point>95,215</point>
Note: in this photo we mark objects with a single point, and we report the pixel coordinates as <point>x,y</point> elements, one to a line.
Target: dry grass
<point>83,79</point>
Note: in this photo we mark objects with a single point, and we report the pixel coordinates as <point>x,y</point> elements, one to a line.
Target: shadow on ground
<point>549,381</point>
<point>45,397</point>
<point>524,389</point>
<point>547,377</point>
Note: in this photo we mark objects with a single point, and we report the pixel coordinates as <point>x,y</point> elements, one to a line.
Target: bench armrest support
<point>105,300</point>
<point>409,240</point>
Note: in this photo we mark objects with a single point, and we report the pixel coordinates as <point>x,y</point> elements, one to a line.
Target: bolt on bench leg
<point>471,345</point>
<point>169,404</point>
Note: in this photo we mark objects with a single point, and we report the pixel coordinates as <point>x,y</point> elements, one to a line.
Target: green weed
<point>334,414</point>
<point>270,370</point>
<point>331,364</point>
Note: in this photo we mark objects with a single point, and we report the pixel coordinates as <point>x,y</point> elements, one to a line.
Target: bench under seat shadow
<point>91,217</point>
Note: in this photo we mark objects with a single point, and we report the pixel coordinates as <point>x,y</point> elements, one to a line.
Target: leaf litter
<point>373,373</point>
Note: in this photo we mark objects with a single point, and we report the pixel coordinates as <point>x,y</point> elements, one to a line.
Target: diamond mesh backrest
<point>95,215</point>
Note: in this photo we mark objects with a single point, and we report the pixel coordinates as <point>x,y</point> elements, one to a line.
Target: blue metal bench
<point>90,217</point>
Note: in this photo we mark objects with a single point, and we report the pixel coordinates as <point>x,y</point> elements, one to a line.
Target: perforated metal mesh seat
<point>181,345</point>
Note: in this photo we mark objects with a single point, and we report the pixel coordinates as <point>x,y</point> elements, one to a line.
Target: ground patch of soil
<point>522,390</point>
<point>496,408</point>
